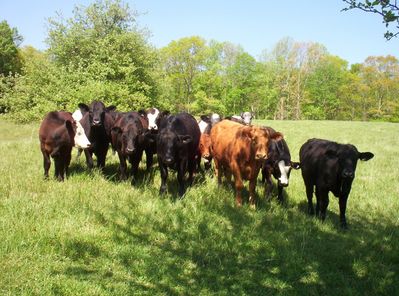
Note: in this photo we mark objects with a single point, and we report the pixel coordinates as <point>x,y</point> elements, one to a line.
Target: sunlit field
<point>95,235</point>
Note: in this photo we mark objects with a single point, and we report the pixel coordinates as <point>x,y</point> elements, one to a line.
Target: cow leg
<point>180,177</point>
<point>268,185</point>
<point>208,164</point>
<point>68,157</point>
<point>164,176</point>
<point>342,209</point>
<point>280,193</point>
<point>122,166</point>
<point>252,198</point>
<point>322,200</point>
<point>149,158</point>
<point>46,163</point>
<point>309,195</point>
<point>89,158</point>
<point>191,169</point>
<point>135,161</point>
<point>218,172</point>
<point>101,155</point>
<point>59,168</point>
<point>238,184</point>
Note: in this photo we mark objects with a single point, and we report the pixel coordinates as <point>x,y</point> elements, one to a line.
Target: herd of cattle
<point>237,148</point>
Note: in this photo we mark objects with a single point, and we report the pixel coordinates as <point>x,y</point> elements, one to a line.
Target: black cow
<point>329,166</point>
<point>127,136</point>
<point>278,164</point>
<point>97,123</point>
<point>177,148</point>
<point>152,118</point>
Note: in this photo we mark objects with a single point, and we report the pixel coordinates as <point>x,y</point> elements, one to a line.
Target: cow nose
<point>261,156</point>
<point>96,122</point>
<point>206,156</point>
<point>129,150</point>
<point>168,160</point>
<point>348,174</point>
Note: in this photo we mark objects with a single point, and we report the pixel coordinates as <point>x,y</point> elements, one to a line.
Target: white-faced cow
<point>97,123</point>
<point>58,133</point>
<point>278,164</point>
<point>177,148</point>
<point>244,118</point>
<point>240,151</point>
<point>329,166</point>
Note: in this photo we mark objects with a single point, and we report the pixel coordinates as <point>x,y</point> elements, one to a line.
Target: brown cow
<point>204,150</point>
<point>240,151</point>
<point>58,133</point>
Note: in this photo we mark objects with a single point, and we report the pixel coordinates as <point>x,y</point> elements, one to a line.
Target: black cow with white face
<point>177,148</point>
<point>278,164</point>
<point>128,139</point>
<point>97,123</point>
<point>329,166</point>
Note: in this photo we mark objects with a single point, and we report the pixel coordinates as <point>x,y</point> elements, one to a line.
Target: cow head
<point>171,145</point>
<point>129,137</point>
<point>259,138</point>
<point>246,117</point>
<point>152,115</point>
<point>96,112</point>
<point>347,156</point>
<point>215,118</point>
<point>205,146</point>
<point>280,158</point>
<point>81,140</point>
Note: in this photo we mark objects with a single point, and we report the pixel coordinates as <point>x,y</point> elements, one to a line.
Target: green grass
<point>94,235</point>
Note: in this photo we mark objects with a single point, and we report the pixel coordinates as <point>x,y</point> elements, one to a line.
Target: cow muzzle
<point>168,160</point>
<point>96,122</point>
<point>260,156</point>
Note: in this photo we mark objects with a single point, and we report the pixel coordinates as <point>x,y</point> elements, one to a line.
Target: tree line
<point>101,53</point>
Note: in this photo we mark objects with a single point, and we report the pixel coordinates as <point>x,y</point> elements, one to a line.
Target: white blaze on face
<point>152,118</point>
<point>215,118</point>
<point>247,117</point>
<point>81,140</point>
<point>77,115</point>
<point>284,172</point>
<point>202,126</point>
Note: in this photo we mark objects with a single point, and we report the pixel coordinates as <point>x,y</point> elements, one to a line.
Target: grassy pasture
<point>94,235</point>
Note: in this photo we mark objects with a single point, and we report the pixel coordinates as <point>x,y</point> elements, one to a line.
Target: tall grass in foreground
<point>95,235</point>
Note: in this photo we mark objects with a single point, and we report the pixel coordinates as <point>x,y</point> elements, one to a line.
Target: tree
<point>183,60</point>
<point>9,42</point>
<point>105,55</point>
<point>387,9</point>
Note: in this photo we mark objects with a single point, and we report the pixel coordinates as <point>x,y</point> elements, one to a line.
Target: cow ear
<point>110,108</point>
<point>277,136</point>
<point>205,118</point>
<point>185,139</point>
<point>365,156</point>
<point>69,125</point>
<point>295,165</point>
<point>83,108</point>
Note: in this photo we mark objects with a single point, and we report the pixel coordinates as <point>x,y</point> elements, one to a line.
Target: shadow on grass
<point>208,246</point>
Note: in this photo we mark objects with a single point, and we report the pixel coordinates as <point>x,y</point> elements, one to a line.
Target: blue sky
<point>256,25</point>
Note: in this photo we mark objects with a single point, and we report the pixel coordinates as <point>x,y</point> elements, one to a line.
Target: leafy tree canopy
<point>9,42</point>
<point>387,9</point>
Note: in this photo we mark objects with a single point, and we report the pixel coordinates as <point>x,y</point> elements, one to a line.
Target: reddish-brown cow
<point>58,134</point>
<point>240,151</point>
<point>204,150</point>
